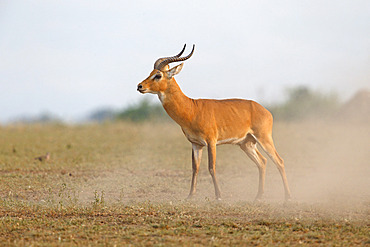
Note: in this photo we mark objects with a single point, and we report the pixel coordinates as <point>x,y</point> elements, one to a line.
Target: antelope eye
<point>157,77</point>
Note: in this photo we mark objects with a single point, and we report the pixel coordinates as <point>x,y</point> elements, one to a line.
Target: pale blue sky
<point>70,57</point>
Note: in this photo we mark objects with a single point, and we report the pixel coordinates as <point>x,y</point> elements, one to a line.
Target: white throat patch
<point>161,97</point>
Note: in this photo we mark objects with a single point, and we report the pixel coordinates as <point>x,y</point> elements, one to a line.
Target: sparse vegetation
<point>125,183</point>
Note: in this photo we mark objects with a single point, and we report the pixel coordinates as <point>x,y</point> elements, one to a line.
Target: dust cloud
<point>327,165</point>
<point>336,164</point>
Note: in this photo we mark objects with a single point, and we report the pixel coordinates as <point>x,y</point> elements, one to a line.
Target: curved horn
<point>168,60</point>
<point>160,60</point>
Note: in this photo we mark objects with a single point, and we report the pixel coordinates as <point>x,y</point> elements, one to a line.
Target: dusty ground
<point>127,183</point>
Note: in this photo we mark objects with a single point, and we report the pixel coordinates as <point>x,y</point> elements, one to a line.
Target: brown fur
<point>210,122</point>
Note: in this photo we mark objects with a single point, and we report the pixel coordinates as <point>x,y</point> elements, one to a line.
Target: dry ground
<point>125,183</point>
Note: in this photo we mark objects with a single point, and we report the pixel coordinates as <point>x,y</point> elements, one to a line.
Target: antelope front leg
<point>196,158</point>
<point>212,168</point>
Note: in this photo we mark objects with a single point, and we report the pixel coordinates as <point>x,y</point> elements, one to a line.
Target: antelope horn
<point>160,60</point>
<point>160,63</point>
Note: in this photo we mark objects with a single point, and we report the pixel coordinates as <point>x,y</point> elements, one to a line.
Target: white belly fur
<point>231,141</point>
<point>200,141</point>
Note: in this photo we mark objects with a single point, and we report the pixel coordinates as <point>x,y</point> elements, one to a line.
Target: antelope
<point>211,122</point>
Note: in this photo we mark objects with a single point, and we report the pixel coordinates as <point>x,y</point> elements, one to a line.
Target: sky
<point>72,57</point>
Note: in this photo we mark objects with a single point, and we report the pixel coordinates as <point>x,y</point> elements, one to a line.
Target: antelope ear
<point>174,71</point>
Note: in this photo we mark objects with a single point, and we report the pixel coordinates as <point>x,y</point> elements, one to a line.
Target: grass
<point>148,223</point>
<point>125,183</point>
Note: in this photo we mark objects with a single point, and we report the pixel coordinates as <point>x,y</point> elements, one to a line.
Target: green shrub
<point>142,111</point>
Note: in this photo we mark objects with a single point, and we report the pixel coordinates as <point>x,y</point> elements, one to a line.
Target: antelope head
<point>162,75</point>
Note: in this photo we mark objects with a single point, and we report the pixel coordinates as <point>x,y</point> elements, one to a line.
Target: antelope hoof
<point>189,197</point>
<point>288,198</point>
<point>258,199</point>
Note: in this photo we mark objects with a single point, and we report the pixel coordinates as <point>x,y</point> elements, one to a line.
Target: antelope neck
<point>177,105</point>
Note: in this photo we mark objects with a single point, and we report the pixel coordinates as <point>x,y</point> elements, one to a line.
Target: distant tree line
<point>301,103</point>
<point>144,110</point>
